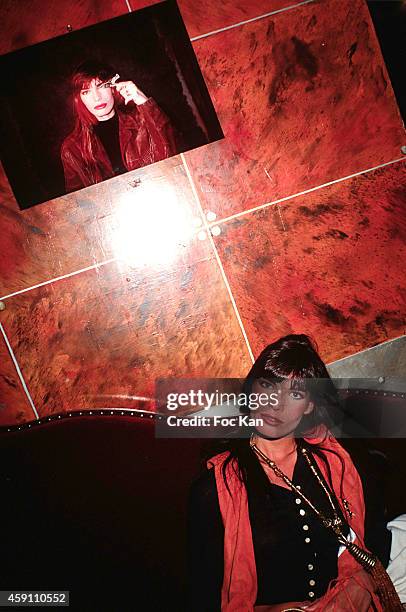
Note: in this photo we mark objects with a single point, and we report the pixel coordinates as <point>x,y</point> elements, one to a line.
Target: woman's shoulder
<point>325,440</point>
<point>208,474</point>
<point>206,483</point>
<point>342,467</point>
<point>133,113</point>
<point>334,445</point>
<point>71,142</point>
<point>217,460</point>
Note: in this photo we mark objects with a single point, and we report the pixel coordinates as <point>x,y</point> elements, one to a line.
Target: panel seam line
<point>220,265</point>
<point>301,193</point>
<point>17,367</point>
<point>58,278</point>
<point>245,21</point>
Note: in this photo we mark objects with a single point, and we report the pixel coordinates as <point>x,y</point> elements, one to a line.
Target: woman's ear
<point>309,408</point>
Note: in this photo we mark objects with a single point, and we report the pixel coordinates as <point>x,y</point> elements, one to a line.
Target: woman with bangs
<point>118,128</point>
<point>276,522</point>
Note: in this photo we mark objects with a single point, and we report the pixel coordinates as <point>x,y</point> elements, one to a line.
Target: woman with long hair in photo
<point>276,521</point>
<point>117,128</point>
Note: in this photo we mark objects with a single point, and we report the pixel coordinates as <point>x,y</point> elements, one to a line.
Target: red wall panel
<point>14,404</point>
<point>303,98</point>
<point>32,21</point>
<point>329,263</point>
<point>101,338</point>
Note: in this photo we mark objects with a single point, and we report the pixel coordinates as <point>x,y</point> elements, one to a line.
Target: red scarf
<point>239,591</point>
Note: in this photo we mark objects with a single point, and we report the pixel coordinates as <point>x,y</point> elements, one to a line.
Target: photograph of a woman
<point>276,521</point>
<point>118,128</point>
<point>107,99</point>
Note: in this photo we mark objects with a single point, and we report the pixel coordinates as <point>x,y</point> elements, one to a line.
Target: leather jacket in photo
<point>146,136</point>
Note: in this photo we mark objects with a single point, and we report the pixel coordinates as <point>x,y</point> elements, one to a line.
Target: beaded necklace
<point>335,523</point>
<point>386,591</point>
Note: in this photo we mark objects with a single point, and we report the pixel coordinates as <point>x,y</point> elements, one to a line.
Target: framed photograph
<point>84,107</point>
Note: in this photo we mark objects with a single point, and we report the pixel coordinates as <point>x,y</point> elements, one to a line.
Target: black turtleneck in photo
<point>108,133</point>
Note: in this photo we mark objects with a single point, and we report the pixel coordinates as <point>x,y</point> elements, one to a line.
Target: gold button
<point>298,500</point>
<point>307,540</point>
<point>310,566</point>
<point>311,594</point>
<point>306,527</point>
<point>312,582</point>
<point>302,512</point>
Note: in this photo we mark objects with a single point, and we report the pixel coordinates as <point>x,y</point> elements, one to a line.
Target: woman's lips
<point>270,420</point>
<point>100,106</point>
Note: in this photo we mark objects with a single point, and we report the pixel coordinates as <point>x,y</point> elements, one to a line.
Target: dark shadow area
<point>389,17</point>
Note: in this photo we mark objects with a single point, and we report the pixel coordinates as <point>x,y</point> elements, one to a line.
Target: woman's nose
<point>96,94</point>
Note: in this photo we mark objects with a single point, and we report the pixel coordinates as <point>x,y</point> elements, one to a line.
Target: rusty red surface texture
<point>203,17</point>
<point>101,338</point>
<point>303,98</point>
<point>14,404</point>
<point>90,226</point>
<point>330,264</point>
<point>32,21</point>
<point>199,18</point>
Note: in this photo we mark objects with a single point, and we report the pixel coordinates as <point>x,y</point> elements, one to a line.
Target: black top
<point>295,555</point>
<point>108,132</point>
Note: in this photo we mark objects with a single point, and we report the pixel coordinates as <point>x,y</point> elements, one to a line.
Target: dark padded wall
<point>97,506</point>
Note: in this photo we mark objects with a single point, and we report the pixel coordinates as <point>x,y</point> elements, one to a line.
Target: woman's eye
<point>104,85</point>
<point>265,384</point>
<point>84,92</point>
<point>296,395</point>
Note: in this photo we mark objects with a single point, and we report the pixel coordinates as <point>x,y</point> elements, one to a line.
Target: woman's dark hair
<point>293,357</point>
<point>81,78</point>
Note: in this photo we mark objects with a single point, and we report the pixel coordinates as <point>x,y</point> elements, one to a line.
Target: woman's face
<point>98,99</point>
<point>282,419</point>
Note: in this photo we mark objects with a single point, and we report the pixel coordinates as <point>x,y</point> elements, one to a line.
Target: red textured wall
<point>94,313</point>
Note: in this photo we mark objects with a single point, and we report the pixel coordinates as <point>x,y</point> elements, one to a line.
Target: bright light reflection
<point>153,227</point>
